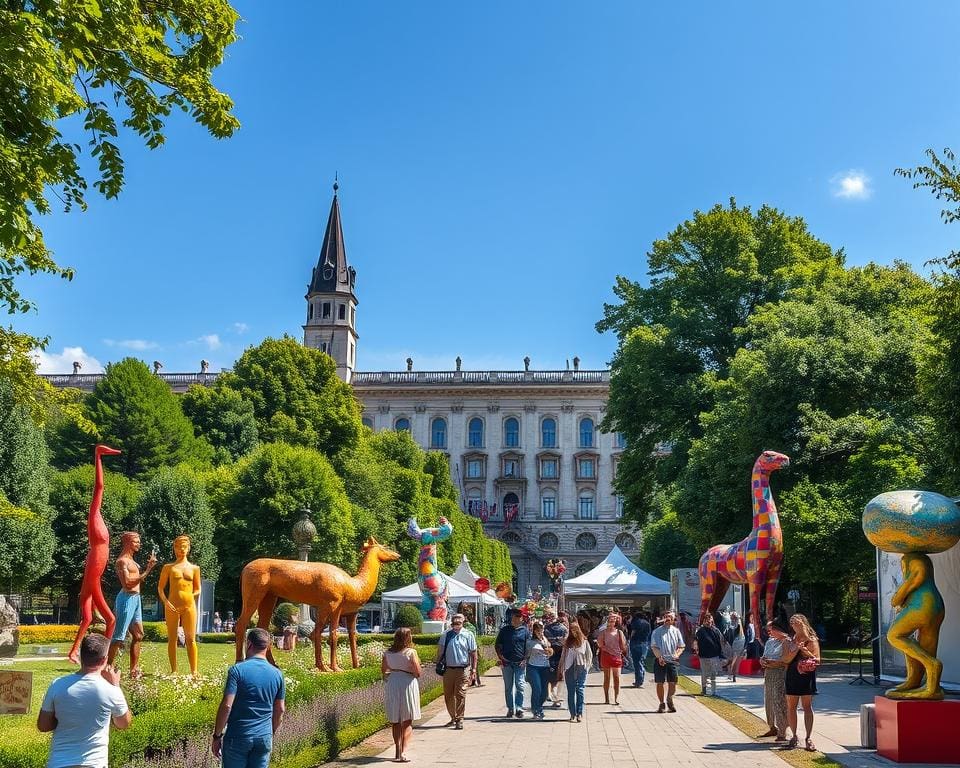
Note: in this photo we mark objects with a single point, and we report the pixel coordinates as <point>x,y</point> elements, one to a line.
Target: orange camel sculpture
<point>331,590</point>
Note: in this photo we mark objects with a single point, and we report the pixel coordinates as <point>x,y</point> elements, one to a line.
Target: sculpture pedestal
<point>433,627</point>
<point>917,731</point>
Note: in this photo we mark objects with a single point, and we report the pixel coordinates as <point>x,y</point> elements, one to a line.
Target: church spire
<point>333,274</point>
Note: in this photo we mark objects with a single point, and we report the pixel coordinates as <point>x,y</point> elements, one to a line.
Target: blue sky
<point>500,163</point>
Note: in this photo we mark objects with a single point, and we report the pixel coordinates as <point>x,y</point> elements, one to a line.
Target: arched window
<point>548,432</point>
<point>626,542</point>
<point>586,432</point>
<point>475,432</point>
<point>511,433</point>
<point>549,542</point>
<point>511,537</point>
<point>582,569</point>
<point>548,506</point>
<point>402,424</point>
<point>438,433</point>
<point>367,422</point>
<point>586,541</point>
<point>474,502</point>
<point>511,507</point>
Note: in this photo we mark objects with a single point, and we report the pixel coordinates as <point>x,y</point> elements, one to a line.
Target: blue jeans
<point>575,685</point>
<point>514,678</point>
<point>638,654</point>
<point>247,752</point>
<point>538,687</point>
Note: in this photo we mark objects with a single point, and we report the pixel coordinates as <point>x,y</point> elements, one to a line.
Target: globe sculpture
<point>915,524</point>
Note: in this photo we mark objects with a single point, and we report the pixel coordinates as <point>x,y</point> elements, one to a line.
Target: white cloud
<point>240,328</point>
<point>50,362</point>
<point>212,340</point>
<point>851,185</point>
<point>138,345</point>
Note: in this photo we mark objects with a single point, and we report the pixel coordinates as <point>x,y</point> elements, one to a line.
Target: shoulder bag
<point>442,656</point>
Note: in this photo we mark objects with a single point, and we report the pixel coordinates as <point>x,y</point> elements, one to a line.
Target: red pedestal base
<point>917,731</point>
<point>747,666</point>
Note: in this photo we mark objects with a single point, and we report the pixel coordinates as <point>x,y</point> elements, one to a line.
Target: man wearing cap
<point>511,648</point>
<point>458,648</point>
<point>667,645</point>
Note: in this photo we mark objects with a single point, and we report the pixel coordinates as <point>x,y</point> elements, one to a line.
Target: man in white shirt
<point>78,709</point>
<point>667,645</point>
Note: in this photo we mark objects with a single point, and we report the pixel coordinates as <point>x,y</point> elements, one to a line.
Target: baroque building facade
<point>524,446</point>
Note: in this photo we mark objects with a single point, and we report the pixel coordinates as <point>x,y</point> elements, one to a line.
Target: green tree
<point>666,545</point>
<point>77,67</point>
<point>136,412</point>
<point>222,418</point>
<point>28,545</point>
<point>941,176</point>
<point>296,396</point>
<point>174,502</point>
<point>70,494</point>
<point>679,334</point>
<point>273,484</point>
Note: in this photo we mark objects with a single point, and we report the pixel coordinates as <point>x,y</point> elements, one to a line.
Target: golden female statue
<point>181,601</point>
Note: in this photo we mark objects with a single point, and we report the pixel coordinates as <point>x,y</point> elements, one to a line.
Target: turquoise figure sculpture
<point>433,585</point>
<point>915,524</point>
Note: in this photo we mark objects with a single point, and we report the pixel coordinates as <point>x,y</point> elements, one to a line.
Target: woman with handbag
<point>538,668</point>
<point>802,655</point>
<point>401,667</point>
<point>613,649</point>
<point>574,663</point>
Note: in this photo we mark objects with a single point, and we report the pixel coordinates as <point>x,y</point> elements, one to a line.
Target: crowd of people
<point>553,654</point>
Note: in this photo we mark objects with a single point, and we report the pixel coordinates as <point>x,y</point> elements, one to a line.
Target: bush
<point>216,637</point>
<point>41,634</point>
<point>285,615</point>
<point>408,616</point>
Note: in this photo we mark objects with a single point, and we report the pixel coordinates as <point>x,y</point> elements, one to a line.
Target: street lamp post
<point>304,532</point>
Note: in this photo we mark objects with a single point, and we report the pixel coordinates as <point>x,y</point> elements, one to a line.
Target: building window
<point>548,507</point>
<point>342,312</point>
<point>353,316</point>
<point>475,433</point>
<point>511,537</point>
<point>323,347</point>
<point>583,568</point>
<point>511,433</point>
<point>511,507</point>
<point>585,469</point>
<point>326,310</point>
<point>620,440</point>
<point>586,507</point>
<point>619,506</point>
<point>474,468</point>
<point>310,312</point>
<point>402,424</point>
<point>549,542</point>
<point>438,433</point>
<point>548,469</point>
<point>586,432</point>
<point>548,433</point>
<point>627,542</point>
<point>586,541</point>
<point>353,352</point>
<point>511,468</point>
<point>474,503</point>
<point>367,422</point>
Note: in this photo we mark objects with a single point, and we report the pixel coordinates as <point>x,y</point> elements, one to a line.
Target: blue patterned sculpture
<point>433,585</point>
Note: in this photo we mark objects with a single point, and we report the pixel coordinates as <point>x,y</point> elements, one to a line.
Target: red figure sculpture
<point>91,593</point>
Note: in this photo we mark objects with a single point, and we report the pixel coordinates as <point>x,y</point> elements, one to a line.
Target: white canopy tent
<point>616,581</point>
<point>457,592</point>
<point>466,575</point>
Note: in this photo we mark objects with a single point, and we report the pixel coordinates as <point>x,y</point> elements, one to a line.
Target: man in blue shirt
<point>251,709</point>
<point>458,648</point>
<point>511,648</point>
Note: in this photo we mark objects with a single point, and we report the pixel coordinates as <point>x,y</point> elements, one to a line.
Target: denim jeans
<point>575,685</point>
<point>246,752</point>
<point>514,678</point>
<point>638,654</point>
<point>538,677</point>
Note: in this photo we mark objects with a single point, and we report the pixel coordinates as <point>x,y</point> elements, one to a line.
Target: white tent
<point>467,575</point>
<point>457,592</point>
<point>615,580</point>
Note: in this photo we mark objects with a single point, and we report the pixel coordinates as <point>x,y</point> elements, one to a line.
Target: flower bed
<point>173,715</point>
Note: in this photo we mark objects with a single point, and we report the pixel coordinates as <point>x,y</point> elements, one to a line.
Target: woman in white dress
<point>401,667</point>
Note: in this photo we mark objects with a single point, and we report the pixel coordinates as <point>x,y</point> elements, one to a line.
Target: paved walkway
<point>632,734</point>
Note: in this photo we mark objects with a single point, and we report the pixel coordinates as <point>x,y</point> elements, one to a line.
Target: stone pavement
<point>836,725</point>
<point>631,734</point>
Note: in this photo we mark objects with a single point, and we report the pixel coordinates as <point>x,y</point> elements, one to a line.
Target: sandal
<point>792,744</point>
<point>810,746</point>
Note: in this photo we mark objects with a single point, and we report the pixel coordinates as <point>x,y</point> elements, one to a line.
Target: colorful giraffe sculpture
<point>757,560</point>
<point>433,585</point>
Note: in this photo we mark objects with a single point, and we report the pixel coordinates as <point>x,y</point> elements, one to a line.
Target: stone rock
<point>9,628</point>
